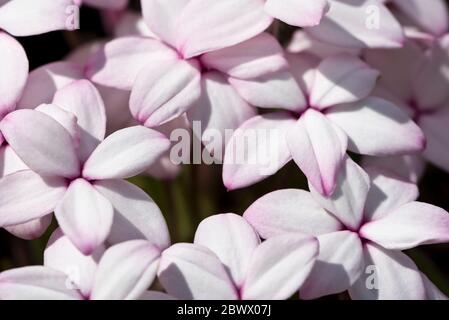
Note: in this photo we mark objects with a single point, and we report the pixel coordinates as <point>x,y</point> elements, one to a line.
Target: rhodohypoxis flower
<point>227,261</point>
<point>361,230</point>
<point>25,18</point>
<point>335,114</point>
<point>417,80</point>
<point>122,272</point>
<point>74,170</point>
<point>190,62</point>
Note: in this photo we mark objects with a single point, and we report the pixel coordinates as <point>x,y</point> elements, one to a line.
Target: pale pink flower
<point>301,13</point>
<point>25,17</point>
<point>191,60</point>
<point>74,170</point>
<point>335,114</point>
<point>227,261</point>
<point>122,272</point>
<point>361,230</point>
<point>417,80</point>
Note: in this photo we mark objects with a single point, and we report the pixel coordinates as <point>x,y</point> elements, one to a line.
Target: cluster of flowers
<point>366,76</point>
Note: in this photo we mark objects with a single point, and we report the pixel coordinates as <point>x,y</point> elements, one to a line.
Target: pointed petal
<point>338,265</point>
<point>342,79</point>
<point>409,226</point>
<point>227,23</point>
<point>232,239</point>
<point>85,216</point>
<point>188,271</point>
<point>27,196</point>
<point>380,279</point>
<point>279,267</point>
<point>164,91</point>
<point>47,149</point>
<point>318,147</point>
<point>14,66</point>
<point>377,127</point>
<point>125,153</point>
<point>264,154</point>
<point>35,283</point>
<point>289,211</point>
<point>136,215</point>
<point>348,201</point>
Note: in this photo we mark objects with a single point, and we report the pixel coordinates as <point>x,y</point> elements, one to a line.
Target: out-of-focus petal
<point>301,13</point>
<point>27,196</point>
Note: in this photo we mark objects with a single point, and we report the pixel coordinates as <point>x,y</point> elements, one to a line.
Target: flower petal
<point>348,201</point>
<point>300,13</point>
<point>387,193</point>
<point>380,280</point>
<point>256,57</point>
<point>27,196</point>
<point>14,66</point>
<point>120,61</point>
<point>318,147</point>
<point>44,81</point>
<point>436,130</point>
<point>164,91</point>
<point>257,149</point>
<point>126,270</point>
<point>20,18</point>
<point>125,153</point>
<point>227,23</point>
<point>36,283</point>
<point>188,271</point>
<point>279,267</point>
<point>377,127</point>
<point>32,229</point>
<point>338,265</point>
<point>409,226</point>
<point>342,79</point>
<point>83,100</point>
<point>60,254</point>
<point>136,215</point>
<point>232,239</point>
<point>85,216</point>
<point>219,108</point>
<point>289,211</point>
<point>47,149</point>
<point>359,24</point>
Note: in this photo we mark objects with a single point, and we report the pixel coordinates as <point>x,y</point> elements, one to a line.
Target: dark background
<point>198,192</point>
